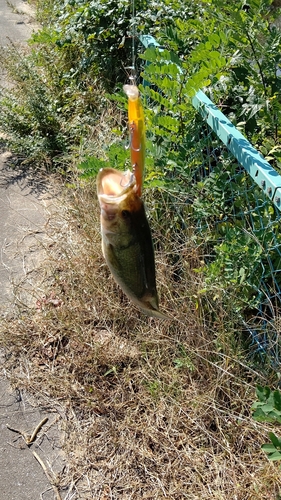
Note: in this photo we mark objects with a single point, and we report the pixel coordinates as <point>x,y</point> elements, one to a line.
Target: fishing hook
<point>127,174</point>
<point>130,145</point>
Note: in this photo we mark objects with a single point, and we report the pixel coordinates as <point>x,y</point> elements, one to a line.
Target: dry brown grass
<point>152,409</point>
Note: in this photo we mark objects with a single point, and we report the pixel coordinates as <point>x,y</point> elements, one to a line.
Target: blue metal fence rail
<point>253,162</point>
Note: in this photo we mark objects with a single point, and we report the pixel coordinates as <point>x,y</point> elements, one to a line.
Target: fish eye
<point>125,214</point>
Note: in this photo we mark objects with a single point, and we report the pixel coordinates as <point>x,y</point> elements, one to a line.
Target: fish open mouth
<point>113,186</point>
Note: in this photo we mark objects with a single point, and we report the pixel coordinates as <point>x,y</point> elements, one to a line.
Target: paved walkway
<point>23,211</point>
<point>24,205</point>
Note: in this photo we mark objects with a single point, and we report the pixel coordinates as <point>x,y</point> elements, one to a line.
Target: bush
<point>57,103</point>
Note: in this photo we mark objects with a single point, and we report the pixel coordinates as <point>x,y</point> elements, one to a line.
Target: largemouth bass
<point>126,239</point>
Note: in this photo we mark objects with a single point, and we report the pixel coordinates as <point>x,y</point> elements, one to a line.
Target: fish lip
<point>111,199</point>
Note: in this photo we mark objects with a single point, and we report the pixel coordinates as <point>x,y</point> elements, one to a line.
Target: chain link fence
<point>232,198</point>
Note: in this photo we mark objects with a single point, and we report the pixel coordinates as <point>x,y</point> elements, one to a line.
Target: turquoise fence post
<point>254,163</point>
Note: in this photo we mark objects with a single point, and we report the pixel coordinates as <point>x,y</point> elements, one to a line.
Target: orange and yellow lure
<point>137,134</point>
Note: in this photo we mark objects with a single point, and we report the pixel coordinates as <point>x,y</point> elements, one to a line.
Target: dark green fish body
<point>126,239</point>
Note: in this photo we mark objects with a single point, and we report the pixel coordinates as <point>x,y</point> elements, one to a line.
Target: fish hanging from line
<point>126,238</point>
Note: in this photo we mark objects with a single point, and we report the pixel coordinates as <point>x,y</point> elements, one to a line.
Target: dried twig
<point>36,430</point>
<point>29,439</point>
<point>50,479</point>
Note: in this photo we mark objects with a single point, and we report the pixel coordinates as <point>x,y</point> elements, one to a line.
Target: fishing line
<point>132,80</point>
<point>133,42</point>
<point>133,73</point>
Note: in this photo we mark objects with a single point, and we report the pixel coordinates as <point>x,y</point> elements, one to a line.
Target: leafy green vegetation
<point>240,228</point>
<point>57,108</point>
<point>268,409</point>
